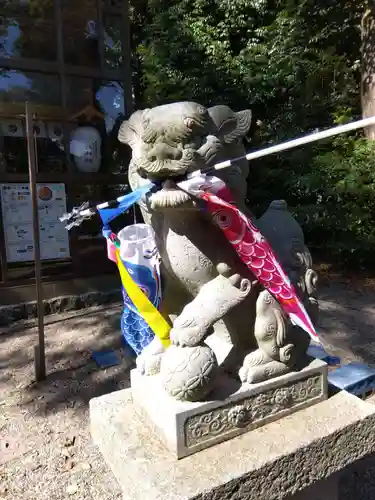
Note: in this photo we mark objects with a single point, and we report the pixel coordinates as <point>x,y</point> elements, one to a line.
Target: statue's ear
<point>125,133</point>
<point>241,128</point>
<point>131,130</point>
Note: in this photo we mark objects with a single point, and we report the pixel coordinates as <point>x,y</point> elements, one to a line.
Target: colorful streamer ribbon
<point>146,309</point>
<point>110,210</point>
<point>107,211</point>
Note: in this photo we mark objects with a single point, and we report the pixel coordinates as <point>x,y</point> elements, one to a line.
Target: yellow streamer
<point>146,309</point>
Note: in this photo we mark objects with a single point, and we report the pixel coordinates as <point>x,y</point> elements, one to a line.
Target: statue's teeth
<point>168,198</point>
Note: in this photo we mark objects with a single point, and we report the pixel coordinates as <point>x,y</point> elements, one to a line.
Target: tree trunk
<point>368,68</point>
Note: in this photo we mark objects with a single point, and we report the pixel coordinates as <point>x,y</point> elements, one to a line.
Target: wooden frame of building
<point>78,266</point>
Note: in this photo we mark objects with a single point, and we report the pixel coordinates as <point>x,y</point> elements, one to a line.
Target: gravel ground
<point>347,320</point>
<point>45,446</point>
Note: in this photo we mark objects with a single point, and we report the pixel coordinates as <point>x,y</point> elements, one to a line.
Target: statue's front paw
<point>188,335</point>
<point>148,362</point>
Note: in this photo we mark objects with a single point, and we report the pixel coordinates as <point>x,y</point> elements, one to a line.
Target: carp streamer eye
<point>223,219</point>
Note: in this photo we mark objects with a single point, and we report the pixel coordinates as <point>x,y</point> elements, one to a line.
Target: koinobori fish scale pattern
<point>250,245</point>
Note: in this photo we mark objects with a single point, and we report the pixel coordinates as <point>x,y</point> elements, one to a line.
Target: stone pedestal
<point>274,462</point>
<point>187,427</point>
<point>327,489</point>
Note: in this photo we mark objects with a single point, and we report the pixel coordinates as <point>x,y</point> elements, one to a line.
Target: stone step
<point>298,453</point>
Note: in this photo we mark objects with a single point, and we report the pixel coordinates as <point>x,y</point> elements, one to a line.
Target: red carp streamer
<point>250,245</point>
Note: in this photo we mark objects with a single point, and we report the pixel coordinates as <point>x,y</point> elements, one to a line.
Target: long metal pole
<point>307,139</point>
<point>39,350</point>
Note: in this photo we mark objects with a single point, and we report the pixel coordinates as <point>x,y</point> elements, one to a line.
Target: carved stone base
<point>233,409</point>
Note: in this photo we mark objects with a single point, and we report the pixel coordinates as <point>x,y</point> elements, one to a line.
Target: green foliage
<point>277,57</point>
<point>341,188</point>
<point>296,65</point>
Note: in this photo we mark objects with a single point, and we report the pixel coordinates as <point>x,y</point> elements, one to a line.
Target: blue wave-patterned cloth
<point>135,330</point>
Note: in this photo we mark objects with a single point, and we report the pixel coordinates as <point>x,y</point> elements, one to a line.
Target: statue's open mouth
<point>169,196</point>
<point>166,165</point>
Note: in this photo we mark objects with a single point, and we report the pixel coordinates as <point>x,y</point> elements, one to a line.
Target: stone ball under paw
<point>189,373</point>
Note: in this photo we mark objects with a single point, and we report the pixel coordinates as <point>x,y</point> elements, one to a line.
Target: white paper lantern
<point>85,146</point>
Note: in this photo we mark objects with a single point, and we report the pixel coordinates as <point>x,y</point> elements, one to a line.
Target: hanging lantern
<point>85,146</point>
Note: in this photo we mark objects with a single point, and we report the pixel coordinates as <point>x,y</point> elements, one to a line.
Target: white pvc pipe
<point>316,136</point>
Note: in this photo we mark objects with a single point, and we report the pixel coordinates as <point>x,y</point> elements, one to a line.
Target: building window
<point>27,30</point>
<point>44,92</point>
<point>68,60</point>
<point>113,36</point>
<point>81,33</point>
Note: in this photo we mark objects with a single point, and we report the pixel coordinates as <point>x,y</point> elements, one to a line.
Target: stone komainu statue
<point>223,319</point>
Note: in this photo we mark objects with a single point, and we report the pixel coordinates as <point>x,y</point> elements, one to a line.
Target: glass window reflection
<point>96,110</point>
<point>81,33</point>
<point>79,93</point>
<point>39,88</point>
<point>27,30</point>
<point>112,33</point>
<point>43,91</point>
<point>110,98</point>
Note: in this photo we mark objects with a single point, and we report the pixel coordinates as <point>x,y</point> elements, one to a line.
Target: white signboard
<point>18,223</point>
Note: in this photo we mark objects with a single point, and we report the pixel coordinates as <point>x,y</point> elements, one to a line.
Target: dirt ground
<point>45,446</point>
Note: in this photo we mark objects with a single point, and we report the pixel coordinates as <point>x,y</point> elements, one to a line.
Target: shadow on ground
<point>73,378</point>
<point>347,323</point>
